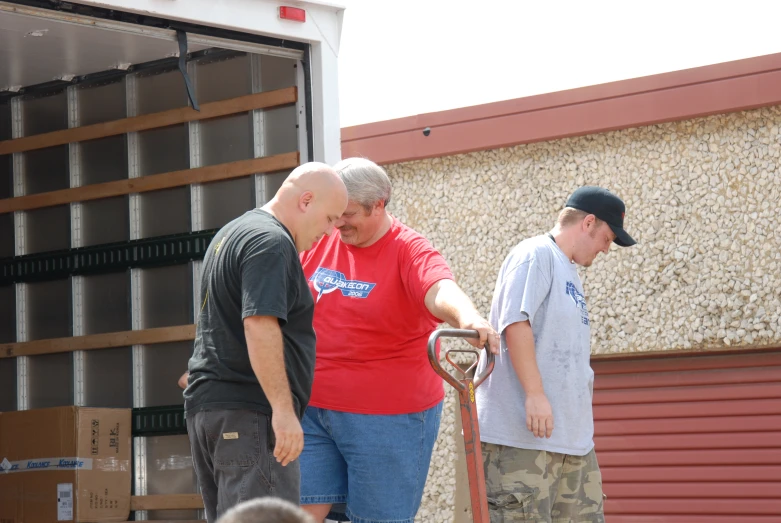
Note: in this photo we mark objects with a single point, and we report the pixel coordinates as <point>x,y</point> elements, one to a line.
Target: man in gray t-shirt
<point>535,415</point>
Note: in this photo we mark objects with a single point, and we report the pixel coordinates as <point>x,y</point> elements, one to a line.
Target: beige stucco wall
<point>702,200</point>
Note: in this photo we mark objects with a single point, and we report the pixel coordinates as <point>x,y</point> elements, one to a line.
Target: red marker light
<point>292,13</point>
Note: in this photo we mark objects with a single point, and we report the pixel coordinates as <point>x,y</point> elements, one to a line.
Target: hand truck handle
<point>458,333</point>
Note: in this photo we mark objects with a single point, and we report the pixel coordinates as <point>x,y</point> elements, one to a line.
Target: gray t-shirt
<point>537,282</point>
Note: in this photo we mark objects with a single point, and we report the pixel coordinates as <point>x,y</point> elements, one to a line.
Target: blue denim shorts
<point>375,464</point>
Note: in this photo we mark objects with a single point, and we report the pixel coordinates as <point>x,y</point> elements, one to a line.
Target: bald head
<point>315,177</point>
<point>309,202</point>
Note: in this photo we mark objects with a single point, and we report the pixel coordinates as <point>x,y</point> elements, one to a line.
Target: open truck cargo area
<point>129,133</point>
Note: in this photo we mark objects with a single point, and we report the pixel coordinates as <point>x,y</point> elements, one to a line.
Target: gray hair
<point>367,183</point>
<point>266,510</point>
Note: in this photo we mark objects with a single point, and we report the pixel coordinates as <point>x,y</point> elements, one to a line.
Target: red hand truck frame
<point>466,393</point>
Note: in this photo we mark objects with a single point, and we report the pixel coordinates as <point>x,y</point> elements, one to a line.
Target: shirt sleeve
<point>265,282</point>
<point>522,289</point>
<point>424,266</point>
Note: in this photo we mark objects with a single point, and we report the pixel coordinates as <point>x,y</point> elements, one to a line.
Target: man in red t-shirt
<point>380,289</point>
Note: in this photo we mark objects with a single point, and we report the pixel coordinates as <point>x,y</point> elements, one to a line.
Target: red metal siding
<point>690,439</point>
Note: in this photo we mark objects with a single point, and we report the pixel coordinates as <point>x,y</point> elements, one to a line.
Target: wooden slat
<point>715,472</point>
<point>691,409</point>
<point>241,104</point>
<point>155,182</point>
<point>676,489</point>
<point>166,502</point>
<point>745,440</point>
<point>688,378</point>
<point>99,341</point>
<point>656,458</point>
<point>723,424</point>
<point>742,391</point>
<point>732,506</point>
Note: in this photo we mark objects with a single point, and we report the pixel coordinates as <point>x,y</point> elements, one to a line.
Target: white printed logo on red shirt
<point>326,281</point>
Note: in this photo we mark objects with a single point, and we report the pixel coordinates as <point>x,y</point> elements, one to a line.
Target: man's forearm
<point>449,303</point>
<point>266,355</point>
<point>520,346</point>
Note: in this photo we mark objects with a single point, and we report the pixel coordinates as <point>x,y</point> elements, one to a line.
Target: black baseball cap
<point>604,205</point>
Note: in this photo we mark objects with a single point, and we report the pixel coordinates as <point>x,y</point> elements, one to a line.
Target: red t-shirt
<point>372,323</point>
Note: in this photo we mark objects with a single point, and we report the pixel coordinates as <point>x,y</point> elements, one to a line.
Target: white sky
<point>404,57</point>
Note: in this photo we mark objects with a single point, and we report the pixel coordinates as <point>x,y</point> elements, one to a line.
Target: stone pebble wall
<point>703,199</point>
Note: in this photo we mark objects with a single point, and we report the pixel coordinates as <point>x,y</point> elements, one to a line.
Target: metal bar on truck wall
<point>303,122</point>
<point>139,397</point>
<point>20,232</point>
<point>258,136</point>
<point>111,257</point>
<point>131,108</point>
<point>76,217</point>
<point>194,131</point>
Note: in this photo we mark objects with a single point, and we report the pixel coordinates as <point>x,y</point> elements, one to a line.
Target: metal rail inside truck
<point>130,130</point>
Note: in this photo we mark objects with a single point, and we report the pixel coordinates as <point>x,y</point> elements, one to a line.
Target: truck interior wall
<point>5,121</point>
<point>6,185</point>
<point>46,170</point>
<point>106,303</point>
<point>7,314</point>
<point>101,101</point>
<point>139,298</point>
<point>49,309</point>
<point>105,221</point>
<point>44,113</point>
<point>51,380</point>
<point>47,229</point>
<point>7,383</point>
<point>6,191</point>
<point>108,378</point>
<point>163,364</point>
<point>162,150</point>
<point>50,376</point>
<point>169,471</point>
<point>98,160</point>
<point>166,296</point>
<point>279,135</point>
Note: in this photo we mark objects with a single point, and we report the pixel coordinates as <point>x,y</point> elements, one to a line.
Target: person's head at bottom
<point>266,510</point>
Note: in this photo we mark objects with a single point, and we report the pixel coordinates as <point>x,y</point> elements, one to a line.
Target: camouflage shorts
<point>540,486</point>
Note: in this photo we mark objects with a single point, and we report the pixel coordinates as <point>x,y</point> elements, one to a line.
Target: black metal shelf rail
<point>111,257</point>
<point>159,421</point>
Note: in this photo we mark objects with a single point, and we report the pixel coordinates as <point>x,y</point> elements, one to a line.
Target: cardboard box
<point>65,464</point>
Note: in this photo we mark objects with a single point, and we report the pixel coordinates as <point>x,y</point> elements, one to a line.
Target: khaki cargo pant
<point>540,486</point>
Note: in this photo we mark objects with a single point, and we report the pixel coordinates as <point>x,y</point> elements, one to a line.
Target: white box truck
<point>130,130</point>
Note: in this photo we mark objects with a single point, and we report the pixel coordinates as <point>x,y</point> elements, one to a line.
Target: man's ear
<point>305,200</point>
<point>379,206</point>
<point>588,222</point>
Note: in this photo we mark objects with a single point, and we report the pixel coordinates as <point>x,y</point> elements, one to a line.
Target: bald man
<point>250,375</point>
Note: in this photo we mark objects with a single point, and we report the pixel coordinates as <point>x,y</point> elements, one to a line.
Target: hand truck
<point>466,393</point>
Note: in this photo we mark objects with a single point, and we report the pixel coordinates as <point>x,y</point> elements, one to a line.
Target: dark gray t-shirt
<point>250,269</point>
